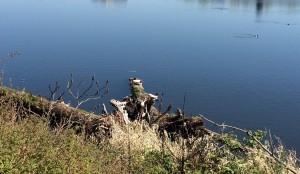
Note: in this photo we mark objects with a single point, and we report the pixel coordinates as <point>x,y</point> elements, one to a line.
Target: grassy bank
<point>29,145</point>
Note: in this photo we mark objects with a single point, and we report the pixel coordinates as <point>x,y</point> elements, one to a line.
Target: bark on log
<point>140,105</point>
<point>59,112</point>
<point>184,127</point>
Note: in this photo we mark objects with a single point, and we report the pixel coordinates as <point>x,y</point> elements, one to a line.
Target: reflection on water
<point>110,2</point>
<point>260,4</point>
<point>259,7</point>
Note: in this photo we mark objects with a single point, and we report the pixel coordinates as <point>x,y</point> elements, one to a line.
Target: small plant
<point>258,135</point>
<point>231,141</point>
<point>158,162</point>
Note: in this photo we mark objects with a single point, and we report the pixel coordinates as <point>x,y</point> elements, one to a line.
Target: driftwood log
<point>140,105</point>
<point>136,107</point>
<point>60,114</point>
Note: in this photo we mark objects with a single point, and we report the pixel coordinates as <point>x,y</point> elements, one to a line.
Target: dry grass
<point>28,145</point>
<point>139,135</point>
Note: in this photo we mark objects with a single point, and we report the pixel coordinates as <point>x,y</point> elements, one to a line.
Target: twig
<point>84,97</point>
<point>163,114</point>
<point>160,103</point>
<point>295,157</point>
<point>271,142</point>
<point>129,149</point>
<point>183,107</point>
<point>54,91</point>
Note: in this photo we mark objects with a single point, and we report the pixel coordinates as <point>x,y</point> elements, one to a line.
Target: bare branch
<point>69,86</point>
<point>88,89</point>
<point>84,97</point>
<point>54,91</point>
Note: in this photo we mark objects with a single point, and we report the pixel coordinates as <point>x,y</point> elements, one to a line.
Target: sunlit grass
<point>29,145</point>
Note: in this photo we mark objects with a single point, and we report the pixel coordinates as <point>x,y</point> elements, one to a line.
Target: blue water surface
<point>238,61</point>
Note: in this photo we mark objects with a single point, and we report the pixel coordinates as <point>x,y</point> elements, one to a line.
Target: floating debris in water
<point>219,8</point>
<point>275,22</point>
<point>9,56</point>
<point>246,36</point>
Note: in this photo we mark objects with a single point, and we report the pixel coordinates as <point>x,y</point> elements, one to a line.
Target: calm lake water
<point>238,61</point>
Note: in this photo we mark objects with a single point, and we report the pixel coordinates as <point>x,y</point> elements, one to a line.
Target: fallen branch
<point>59,112</point>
